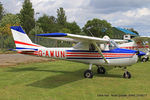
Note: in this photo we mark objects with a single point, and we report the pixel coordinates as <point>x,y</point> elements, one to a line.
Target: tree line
<point>48,24</point>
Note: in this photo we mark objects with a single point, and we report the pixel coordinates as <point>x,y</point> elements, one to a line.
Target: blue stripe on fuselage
<point>117,50</point>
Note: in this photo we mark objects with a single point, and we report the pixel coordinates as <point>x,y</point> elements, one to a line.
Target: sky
<point>120,13</point>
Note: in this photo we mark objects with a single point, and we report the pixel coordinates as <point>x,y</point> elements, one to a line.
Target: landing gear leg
<point>101,70</point>
<point>88,73</point>
<point>126,73</point>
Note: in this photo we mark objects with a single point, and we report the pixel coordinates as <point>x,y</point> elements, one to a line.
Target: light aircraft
<point>137,43</point>
<point>88,50</point>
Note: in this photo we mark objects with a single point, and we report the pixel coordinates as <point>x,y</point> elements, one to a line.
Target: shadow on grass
<point>109,75</point>
<point>35,69</point>
<point>62,79</point>
<point>58,80</point>
<point>65,77</point>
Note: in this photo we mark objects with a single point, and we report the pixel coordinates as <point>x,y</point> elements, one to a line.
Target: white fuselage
<point>86,56</point>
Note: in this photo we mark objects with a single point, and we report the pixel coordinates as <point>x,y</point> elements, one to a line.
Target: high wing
<point>78,38</point>
<point>73,37</point>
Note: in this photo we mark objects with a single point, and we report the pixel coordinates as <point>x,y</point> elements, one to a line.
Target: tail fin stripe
<point>18,42</point>
<point>18,28</point>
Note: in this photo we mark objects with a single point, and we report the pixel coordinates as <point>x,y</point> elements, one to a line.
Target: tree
<point>27,16</point>
<point>98,28</point>
<point>1,11</point>
<point>36,30</point>
<point>73,27</point>
<point>49,24</point>
<point>61,17</point>
<point>65,30</point>
<point>7,21</point>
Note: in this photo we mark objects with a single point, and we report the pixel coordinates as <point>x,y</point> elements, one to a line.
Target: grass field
<point>63,80</point>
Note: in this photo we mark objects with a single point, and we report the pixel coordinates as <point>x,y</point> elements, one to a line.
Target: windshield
<point>109,45</point>
<point>113,45</point>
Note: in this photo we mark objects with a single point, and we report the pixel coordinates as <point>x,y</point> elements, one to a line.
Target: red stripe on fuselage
<point>93,56</point>
<point>98,53</point>
<point>18,42</point>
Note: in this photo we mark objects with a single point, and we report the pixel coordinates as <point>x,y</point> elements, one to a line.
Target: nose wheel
<point>145,59</point>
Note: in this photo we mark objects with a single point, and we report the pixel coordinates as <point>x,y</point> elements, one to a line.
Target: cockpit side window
<point>105,46</point>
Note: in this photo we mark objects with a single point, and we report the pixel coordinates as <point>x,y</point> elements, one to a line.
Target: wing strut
<point>100,52</point>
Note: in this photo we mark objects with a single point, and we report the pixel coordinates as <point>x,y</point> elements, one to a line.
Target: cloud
<point>12,6</point>
<point>120,13</point>
<point>112,6</point>
<point>141,12</point>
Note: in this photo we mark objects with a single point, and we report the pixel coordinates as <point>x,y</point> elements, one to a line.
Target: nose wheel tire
<point>88,74</point>
<point>101,70</point>
<point>127,75</point>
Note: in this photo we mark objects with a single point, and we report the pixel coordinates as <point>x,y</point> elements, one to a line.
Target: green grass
<point>63,80</point>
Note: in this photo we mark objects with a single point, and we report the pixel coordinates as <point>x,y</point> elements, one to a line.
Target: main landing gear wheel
<point>101,70</point>
<point>127,75</point>
<point>88,74</point>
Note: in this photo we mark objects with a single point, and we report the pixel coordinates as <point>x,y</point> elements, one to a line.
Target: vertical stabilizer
<point>22,41</point>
